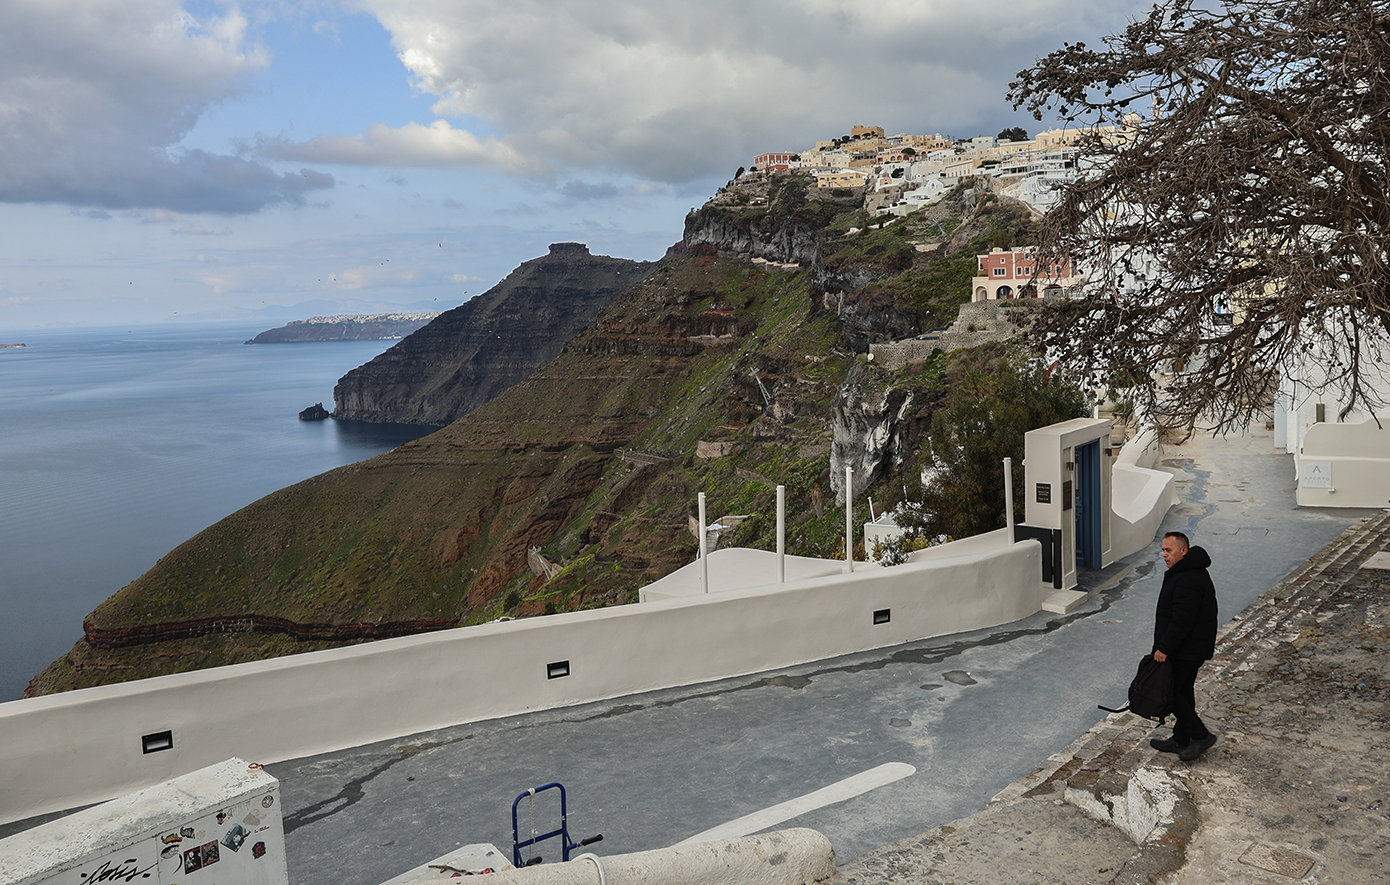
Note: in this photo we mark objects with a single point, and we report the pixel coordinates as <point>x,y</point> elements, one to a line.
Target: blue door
<point>1088,505</point>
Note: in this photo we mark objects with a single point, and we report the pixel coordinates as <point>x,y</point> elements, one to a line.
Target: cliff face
<point>715,373</point>
<point>468,355</point>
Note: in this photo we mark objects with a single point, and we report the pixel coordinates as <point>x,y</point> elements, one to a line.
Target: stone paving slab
<point>1297,788</point>
<point>1041,839</point>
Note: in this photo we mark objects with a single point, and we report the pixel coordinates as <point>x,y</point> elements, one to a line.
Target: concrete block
<point>225,819</point>
<point>1064,602</point>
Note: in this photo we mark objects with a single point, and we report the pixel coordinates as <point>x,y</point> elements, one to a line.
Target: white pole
<point>849,517</point>
<point>1009,499</point>
<point>704,561</point>
<point>781,534</point>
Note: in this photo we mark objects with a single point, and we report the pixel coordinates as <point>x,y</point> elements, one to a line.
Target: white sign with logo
<point>1315,475</point>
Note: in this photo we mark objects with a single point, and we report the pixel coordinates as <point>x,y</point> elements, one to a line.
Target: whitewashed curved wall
<point>1139,496</point>
<point>84,746</point>
<point>1344,465</point>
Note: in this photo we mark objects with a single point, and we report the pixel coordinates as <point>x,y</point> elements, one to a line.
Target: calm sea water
<point>118,444</point>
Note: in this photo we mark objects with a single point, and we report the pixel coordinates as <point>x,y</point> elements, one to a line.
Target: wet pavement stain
<point>619,710</point>
<point>900,723</point>
<point>793,682</point>
<point>352,791</point>
<point>959,677</point>
<point>930,686</point>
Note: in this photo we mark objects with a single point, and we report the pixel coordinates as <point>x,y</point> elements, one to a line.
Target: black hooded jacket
<point>1185,623</point>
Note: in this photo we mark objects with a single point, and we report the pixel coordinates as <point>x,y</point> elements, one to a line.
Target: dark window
<point>160,740</point>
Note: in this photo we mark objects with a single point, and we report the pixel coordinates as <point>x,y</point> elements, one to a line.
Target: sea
<point>118,444</point>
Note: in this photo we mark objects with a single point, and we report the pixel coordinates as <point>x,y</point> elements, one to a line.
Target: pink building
<point>775,160</point>
<point>1015,273</point>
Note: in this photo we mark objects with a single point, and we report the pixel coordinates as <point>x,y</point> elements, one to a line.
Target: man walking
<point>1185,636</point>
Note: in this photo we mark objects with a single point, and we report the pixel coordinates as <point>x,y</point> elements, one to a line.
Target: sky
<point>166,161</point>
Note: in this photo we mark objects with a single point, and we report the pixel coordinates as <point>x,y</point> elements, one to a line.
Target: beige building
<point>846,178</point>
<point>959,168</point>
<point>924,142</point>
<point>1054,139</point>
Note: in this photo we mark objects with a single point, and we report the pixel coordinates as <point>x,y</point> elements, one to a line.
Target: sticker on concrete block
<point>235,836</point>
<point>202,856</point>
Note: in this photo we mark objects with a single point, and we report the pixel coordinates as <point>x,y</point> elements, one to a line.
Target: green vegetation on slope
<point>592,462</point>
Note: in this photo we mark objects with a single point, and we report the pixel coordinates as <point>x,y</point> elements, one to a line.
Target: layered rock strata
<point>468,355</point>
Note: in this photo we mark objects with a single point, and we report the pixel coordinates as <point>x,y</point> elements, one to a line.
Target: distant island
<point>373,327</point>
<point>14,345</point>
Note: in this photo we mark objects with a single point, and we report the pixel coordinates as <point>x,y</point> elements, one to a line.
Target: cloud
<point>674,91</point>
<point>583,190</point>
<point>197,230</point>
<point>306,180</point>
<point>328,30</point>
<point>96,95</point>
<point>438,144</point>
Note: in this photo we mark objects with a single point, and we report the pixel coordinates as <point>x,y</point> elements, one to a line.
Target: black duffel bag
<point>1151,692</point>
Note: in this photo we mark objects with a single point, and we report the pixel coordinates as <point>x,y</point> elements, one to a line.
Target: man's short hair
<point>1182,539</point>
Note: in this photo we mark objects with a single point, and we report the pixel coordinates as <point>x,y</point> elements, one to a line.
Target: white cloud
<point>95,96</point>
<point>673,90</point>
<point>438,144</point>
<point>197,230</point>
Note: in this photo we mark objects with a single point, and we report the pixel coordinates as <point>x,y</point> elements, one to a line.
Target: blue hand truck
<point>566,844</point>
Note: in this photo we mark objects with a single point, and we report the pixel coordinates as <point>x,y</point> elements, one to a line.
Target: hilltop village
<point>901,174</point>
<point>906,172</point>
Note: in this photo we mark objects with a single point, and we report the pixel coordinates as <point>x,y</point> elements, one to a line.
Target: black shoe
<point>1197,748</point>
<point>1166,745</point>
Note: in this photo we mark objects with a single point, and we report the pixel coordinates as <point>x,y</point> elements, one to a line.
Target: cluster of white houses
<point>920,169</point>
<point>924,167</point>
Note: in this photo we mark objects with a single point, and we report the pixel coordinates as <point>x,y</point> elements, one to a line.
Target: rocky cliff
<point>715,373</point>
<point>468,355</point>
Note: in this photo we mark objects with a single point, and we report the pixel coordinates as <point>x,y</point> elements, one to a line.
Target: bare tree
<point>1256,193</point>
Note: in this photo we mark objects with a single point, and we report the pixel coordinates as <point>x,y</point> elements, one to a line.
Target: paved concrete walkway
<point>1296,789</point>
<point>971,713</point>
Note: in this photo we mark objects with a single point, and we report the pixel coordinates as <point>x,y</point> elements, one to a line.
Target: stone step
<point>1280,615</point>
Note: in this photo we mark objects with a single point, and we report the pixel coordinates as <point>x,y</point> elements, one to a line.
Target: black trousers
<point>1189,726</point>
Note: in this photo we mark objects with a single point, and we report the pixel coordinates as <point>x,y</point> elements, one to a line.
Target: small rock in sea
<point>316,412</point>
